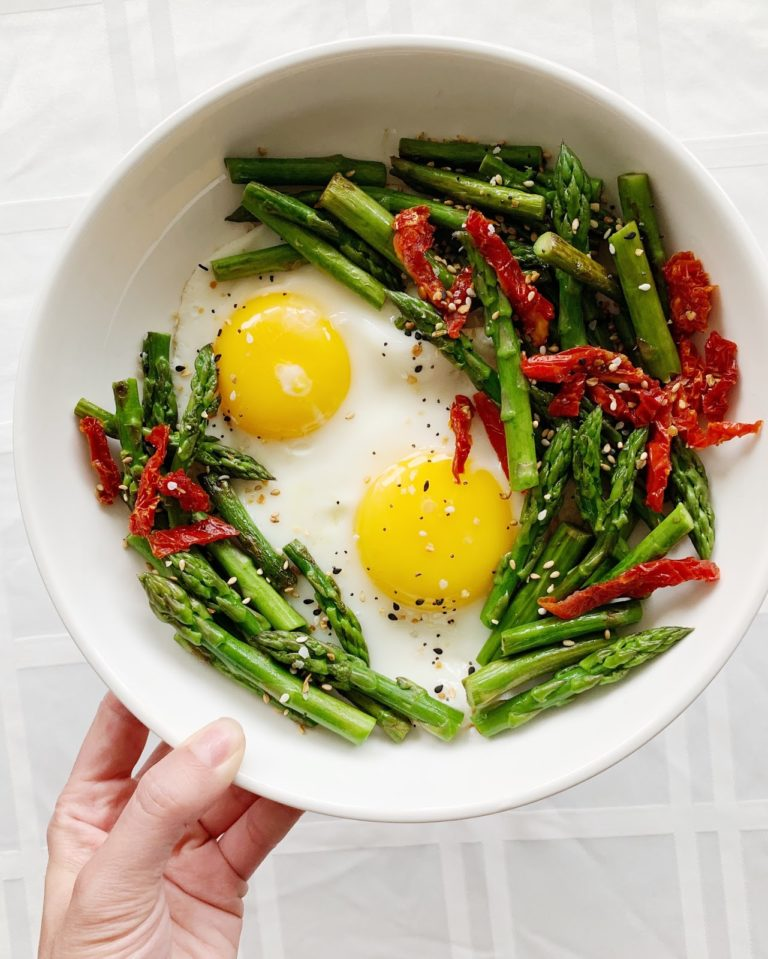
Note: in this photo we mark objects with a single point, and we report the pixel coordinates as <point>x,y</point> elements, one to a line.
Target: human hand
<point>154,865</point>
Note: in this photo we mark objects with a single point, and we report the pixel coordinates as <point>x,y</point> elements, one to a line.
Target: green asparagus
<point>202,405</point>
<point>171,604</point>
<point>288,171</point>
<point>343,621</point>
<point>159,397</point>
<point>587,473</point>
<point>550,630</point>
<point>689,485</point>
<point>607,665</point>
<point>571,215</point>
<point>464,153</point>
<point>557,252</point>
<point>637,204</point>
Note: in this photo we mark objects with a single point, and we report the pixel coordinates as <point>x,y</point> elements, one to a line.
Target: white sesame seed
<point>232,580</point>
<point>528,183</point>
<point>638,252</point>
<point>233,395</point>
<point>575,225</point>
<point>593,224</point>
<point>607,634</point>
<point>542,515</point>
<point>644,287</point>
<point>554,574</point>
<point>496,150</point>
<point>551,588</point>
<point>535,576</point>
<point>607,233</point>
<point>303,652</point>
<point>531,295</point>
<point>284,698</point>
<point>568,642</point>
<point>611,247</point>
<point>443,584</point>
<point>549,564</point>
<point>541,612</point>
<point>491,229</point>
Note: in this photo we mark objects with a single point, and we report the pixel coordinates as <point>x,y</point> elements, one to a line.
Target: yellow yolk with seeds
<point>429,542</point>
<point>283,368</point>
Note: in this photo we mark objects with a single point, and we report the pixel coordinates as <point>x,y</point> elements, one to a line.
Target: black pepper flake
<point>438,650</point>
<point>392,616</point>
<point>420,602</point>
<point>418,369</point>
<point>336,570</point>
<point>470,670</point>
<point>205,268</point>
<point>180,368</point>
<point>439,688</point>
<point>308,602</point>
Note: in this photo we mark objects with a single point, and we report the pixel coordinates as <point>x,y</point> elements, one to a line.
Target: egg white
<point>397,402</point>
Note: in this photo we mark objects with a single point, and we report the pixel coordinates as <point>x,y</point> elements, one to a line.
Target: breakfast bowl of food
<point>409,404</point>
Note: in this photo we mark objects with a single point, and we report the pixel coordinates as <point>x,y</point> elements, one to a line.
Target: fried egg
<point>351,416</point>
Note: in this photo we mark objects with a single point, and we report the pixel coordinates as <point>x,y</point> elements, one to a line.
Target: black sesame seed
<point>336,570</point>
<point>439,688</point>
<point>438,650</point>
<point>392,616</point>
<point>180,368</point>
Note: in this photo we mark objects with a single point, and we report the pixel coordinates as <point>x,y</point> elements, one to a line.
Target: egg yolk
<point>283,368</point>
<point>429,542</point>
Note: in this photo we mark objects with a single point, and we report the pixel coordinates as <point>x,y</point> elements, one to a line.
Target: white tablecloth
<point>664,856</point>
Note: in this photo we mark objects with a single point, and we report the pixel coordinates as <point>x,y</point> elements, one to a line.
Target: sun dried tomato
<point>490,417</point>
<point>593,361</point>
<point>101,459</point>
<point>191,496</point>
<point>142,518</point>
<point>659,464</point>
<point>163,542</point>
<point>713,434</point>
<point>690,292</point>
<point>637,582</point>
<point>461,424</point>
<point>721,375</point>
<point>413,237</point>
<point>637,407</point>
<point>534,310</point>
<point>459,303</point>
<point>569,397</point>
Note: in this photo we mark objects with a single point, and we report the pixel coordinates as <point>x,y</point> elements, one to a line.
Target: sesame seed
<point>535,576</point>
<point>607,634</point>
<point>644,287</point>
<point>554,574</point>
<point>568,642</point>
<point>531,295</point>
<point>638,252</point>
<point>233,395</point>
<point>575,225</point>
<point>549,564</point>
<point>496,150</point>
<point>327,687</point>
<point>284,698</point>
<point>303,652</point>
<point>542,515</point>
<point>232,580</point>
<point>541,612</point>
<point>611,247</point>
<point>512,564</point>
<point>593,224</point>
<point>528,183</point>
<point>551,588</point>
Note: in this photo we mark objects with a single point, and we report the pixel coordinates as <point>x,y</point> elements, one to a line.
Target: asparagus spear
<point>501,676</point>
<point>535,519</point>
<point>550,631</point>
<point>287,171</point>
<point>347,671</point>
<point>247,682</point>
<point>318,251</point>
<point>654,341</point>
<point>637,204</point>
<point>173,605</point>
<point>128,426</point>
<point>463,153</point>
<point>613,520</point>
<point>275,568</point>
<point>202,404</point>
<point>361,213</point>
<point>422,318</point>
<point>492,166</point>
<point>658,542</point>
<point>555,251</point>
<point>565,548</point>
<point>608,665</point>
<point>210,452</point>
<point>571,214</point>
<point>516,204</point>
<point>241,570</point>
<point>345,240</point>
<point>394,725</point>
<point>515,404</point>
<point>689,485</point>
<point>159,399</point>
<point>343,621</point>
<point>272,259</point>
<point>196,575</point>
<point>586,468</point>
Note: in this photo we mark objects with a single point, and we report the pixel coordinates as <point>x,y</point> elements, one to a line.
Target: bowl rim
<point>22,425</point>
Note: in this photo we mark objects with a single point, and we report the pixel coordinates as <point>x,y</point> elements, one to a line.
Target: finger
<point>159,752</point>
<point>112,746</point>
<point>170,797</point>
<point>227,811</point>
<point>255,834</point>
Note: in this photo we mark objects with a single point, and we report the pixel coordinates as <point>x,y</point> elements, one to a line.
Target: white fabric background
<point>664,856</point>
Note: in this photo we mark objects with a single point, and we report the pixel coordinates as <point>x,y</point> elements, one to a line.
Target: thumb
<point>171,796</point>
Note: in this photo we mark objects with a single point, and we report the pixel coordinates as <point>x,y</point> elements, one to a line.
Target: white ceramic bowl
<point>121,273</point>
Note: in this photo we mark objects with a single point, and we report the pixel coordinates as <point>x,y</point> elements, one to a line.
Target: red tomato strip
<point>413,238</point>
<point>690,292</point>
<point>163,542</point>
<point>142,518</point>
<point>534,310</point>
<point>461,424</point>
<point>659,466</point>
<point>490,417</point>
<point>101,459</point>
<point>191,496</point>
<point>592,361</point>
<point>637,582</point>
<point>459,302</point>
<point>713,434</point>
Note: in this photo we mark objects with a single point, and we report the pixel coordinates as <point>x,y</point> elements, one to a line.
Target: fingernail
<point>215,744</point>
